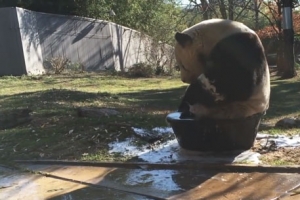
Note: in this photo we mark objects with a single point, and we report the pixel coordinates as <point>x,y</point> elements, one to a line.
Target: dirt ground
<point>270,154</point>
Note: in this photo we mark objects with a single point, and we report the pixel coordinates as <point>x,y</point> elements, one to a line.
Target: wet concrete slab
<point>242,186</point>
<point>75,182</point>
<point>32,186</point>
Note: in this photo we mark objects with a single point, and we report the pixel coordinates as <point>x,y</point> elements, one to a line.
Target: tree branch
<point>243,9</point>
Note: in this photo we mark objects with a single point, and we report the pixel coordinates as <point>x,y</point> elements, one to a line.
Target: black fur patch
<point>183,39</point>
<point>237,65</point>
<point>195,94</point>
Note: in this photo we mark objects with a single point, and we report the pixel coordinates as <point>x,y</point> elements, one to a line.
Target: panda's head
<point>194,45</point>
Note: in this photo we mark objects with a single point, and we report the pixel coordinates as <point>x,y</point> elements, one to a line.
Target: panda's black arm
<point>238,65</point>
<point>195,94</point>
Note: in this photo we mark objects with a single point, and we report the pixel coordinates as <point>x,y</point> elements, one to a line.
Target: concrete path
<point>61,182</point>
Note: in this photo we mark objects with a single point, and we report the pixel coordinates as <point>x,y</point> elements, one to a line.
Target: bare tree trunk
<point>256,10</point>
<point>256,14</point>
<point>205,9</point>
<point>223,9</point>
<point>280,54</point>
<point>230,9</point>
<point>212,8</point>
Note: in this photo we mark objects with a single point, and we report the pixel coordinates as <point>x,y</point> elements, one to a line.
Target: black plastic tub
<point>215,135</point>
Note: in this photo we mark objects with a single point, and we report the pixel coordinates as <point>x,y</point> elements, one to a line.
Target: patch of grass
<point>284,100</point>
<point>273,131</point>
<point>276,161</point>
<point>56,132</point>
<point>280,131</point>
<point>103,155</point>
<point>283,103</point>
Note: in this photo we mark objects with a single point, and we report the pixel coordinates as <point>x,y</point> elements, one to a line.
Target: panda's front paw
<point>183,107</point>
<point>186,115</point>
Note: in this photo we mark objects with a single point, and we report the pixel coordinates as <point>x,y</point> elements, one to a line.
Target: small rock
<point>14,117</point>
<point>288,122</point>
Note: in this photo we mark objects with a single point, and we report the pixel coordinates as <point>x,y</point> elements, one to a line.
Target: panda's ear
<point>183,39</point>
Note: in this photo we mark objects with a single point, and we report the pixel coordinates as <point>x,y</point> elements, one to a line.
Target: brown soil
<point>278,156</point>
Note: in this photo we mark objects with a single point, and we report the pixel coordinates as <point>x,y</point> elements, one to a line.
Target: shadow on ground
<point>57,132</point>
<point>284,99</point>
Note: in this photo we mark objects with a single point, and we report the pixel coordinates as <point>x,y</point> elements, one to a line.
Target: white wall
<point>131,47</point>
<point>94,44</point>
<point>30,42</point>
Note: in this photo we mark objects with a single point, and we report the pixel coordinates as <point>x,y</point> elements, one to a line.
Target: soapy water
<point>280,140</point>
<point>170,151</point>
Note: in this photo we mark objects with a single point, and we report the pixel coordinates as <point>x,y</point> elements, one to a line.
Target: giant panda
<point>224,63</point>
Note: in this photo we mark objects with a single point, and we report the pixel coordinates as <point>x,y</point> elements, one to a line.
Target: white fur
<point>257,103</point>
<point>206,37</point>
<point>210,87</point>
